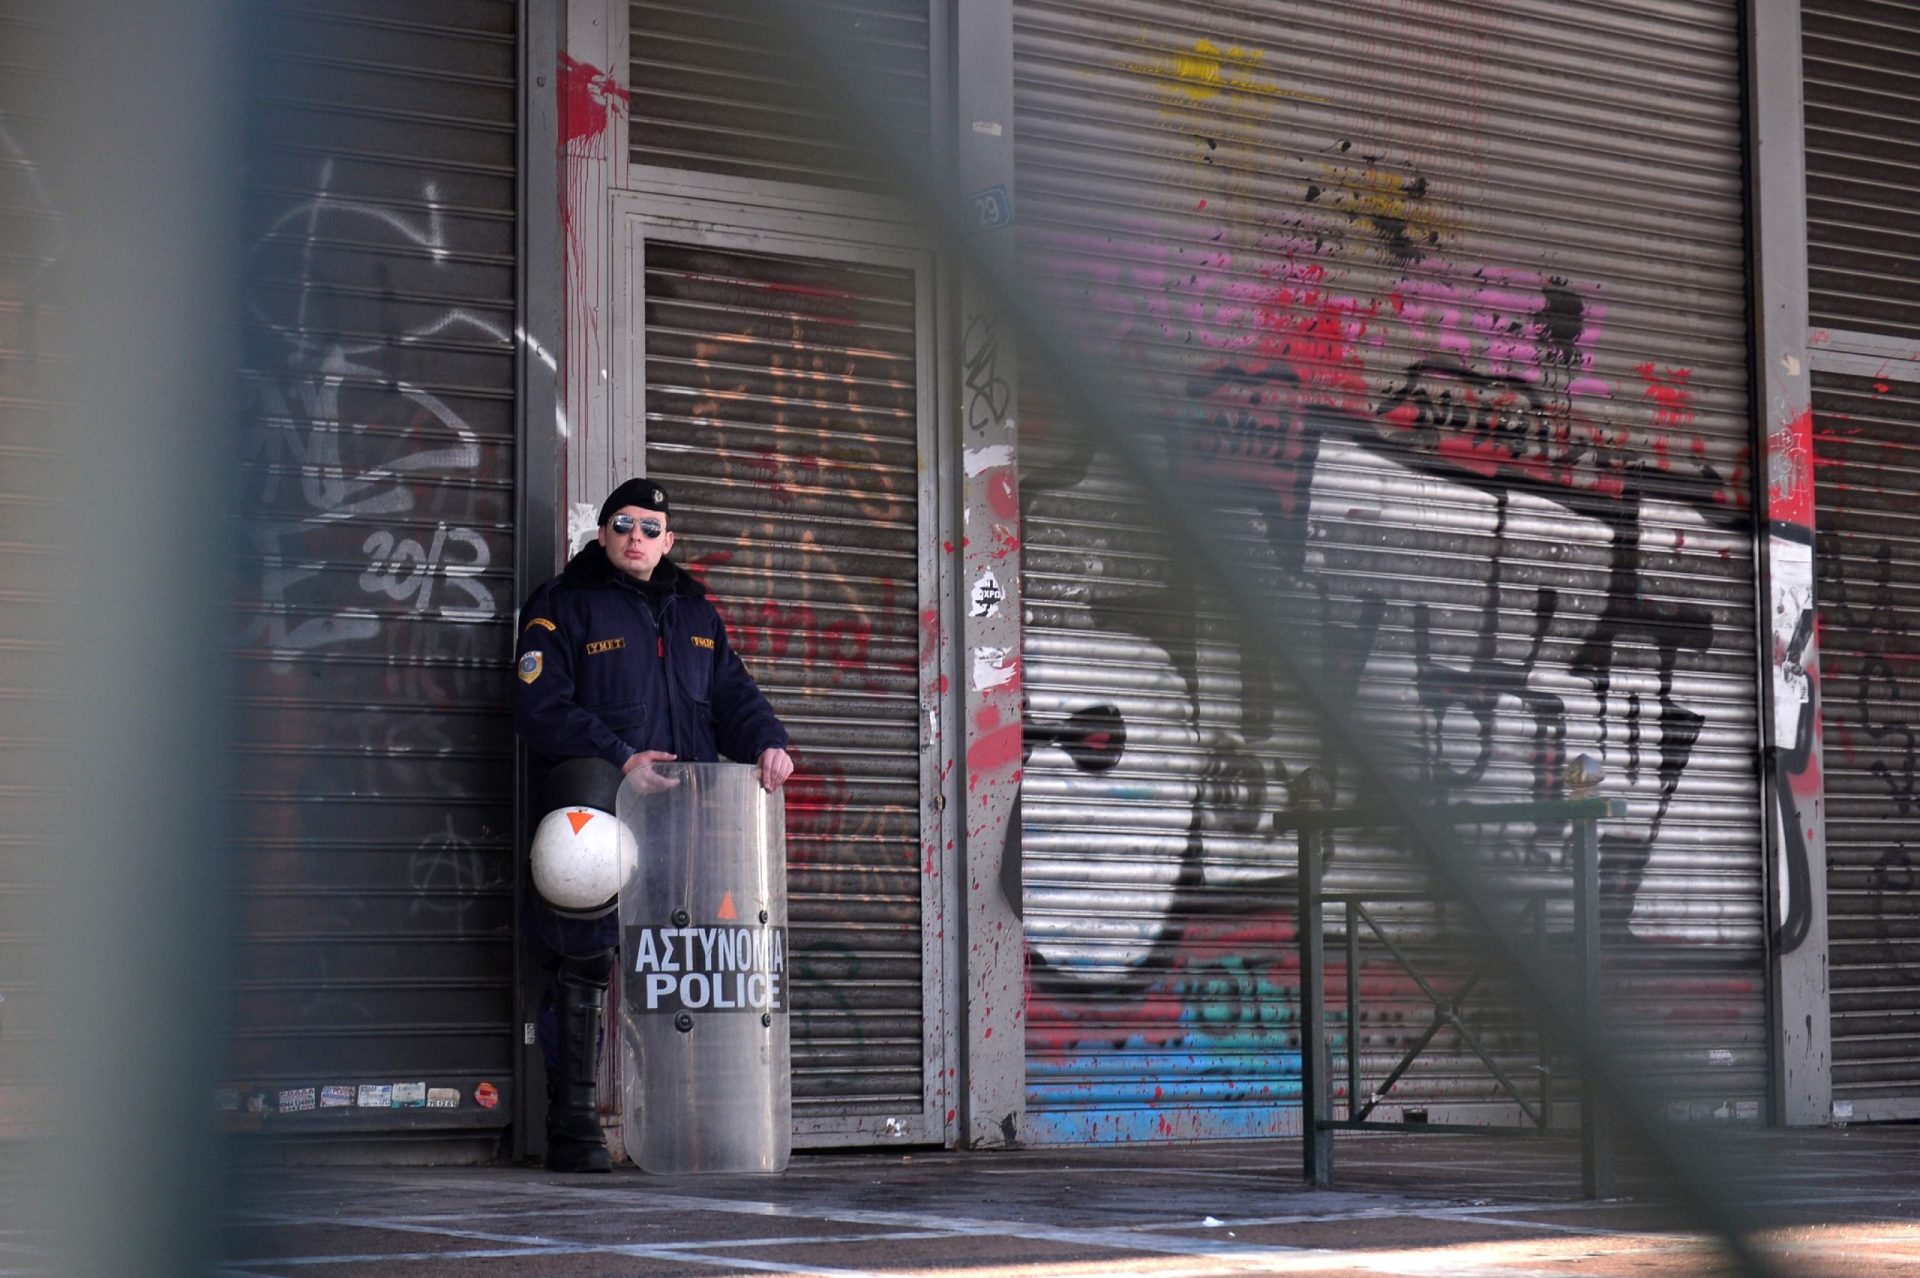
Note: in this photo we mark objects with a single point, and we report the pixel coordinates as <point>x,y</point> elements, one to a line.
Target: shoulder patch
<point>531,665</point>
<point>541,622</point>
<point>701,641</point>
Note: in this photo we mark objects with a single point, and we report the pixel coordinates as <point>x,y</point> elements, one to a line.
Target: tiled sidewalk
<point>1833,1203</point>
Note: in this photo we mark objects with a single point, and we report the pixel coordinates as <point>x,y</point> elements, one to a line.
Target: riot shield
<point>705,1081</point>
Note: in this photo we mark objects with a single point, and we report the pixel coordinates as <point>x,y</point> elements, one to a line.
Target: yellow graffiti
<point>1390,205</point>
<point>1199,73</point>
<point>1208,71</point>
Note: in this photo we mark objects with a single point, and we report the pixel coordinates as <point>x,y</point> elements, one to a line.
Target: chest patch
<point>599,646</point>
<point>701,641</point>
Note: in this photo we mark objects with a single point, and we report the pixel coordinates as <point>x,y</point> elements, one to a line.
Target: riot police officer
<point>622,662</point>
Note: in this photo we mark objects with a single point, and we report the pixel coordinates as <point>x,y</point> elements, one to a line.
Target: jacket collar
<point>591,569</point>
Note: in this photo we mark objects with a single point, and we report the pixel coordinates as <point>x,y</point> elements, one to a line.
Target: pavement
<point>1832,1202</point>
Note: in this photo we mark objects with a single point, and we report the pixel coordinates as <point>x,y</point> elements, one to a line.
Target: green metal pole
<point>1315,1105</point>
<point>1596,1143</point>
<point>1353,1007</point>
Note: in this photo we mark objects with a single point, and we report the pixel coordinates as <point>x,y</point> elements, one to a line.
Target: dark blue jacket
<point>599,677</point>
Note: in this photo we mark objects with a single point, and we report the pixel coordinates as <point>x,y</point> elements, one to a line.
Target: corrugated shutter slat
<point>713,90</point>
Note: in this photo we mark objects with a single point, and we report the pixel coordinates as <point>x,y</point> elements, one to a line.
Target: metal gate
<point>1863,186</point>
<point>1452,299</point>
<point>376,820</point>
<point>787,409</point>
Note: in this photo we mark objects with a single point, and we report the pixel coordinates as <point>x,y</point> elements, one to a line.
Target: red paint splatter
<point>929,635</point>
<point>586,99</point>
<point>585,92</point>
<point>844,643</point>
<point>1000,492</point>
<point>698,565</point>
<point>1790,461</point>
<point>1672,401</point>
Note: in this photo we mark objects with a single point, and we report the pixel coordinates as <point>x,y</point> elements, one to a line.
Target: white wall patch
<point>981,460</point>
<point>987,595</point>
<point>583,525</point>
<point>993,667</point>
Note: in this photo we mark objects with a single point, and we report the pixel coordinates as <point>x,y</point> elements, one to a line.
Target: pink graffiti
<point>1491,370</point>
<point>1506,325</point>
<point>996,745</point>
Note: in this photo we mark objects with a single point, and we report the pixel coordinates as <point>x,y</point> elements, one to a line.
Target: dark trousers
<point>575,948</point>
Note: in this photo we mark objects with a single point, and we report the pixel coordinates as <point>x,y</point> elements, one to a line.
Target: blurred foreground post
<point>136,112</point>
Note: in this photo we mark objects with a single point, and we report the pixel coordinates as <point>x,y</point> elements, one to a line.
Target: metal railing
<point>1317,1123</point>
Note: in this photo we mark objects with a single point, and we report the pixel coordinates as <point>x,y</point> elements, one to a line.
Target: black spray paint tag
<point>706,969</point>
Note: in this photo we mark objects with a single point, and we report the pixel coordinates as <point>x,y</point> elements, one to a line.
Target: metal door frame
<point>759,216</point>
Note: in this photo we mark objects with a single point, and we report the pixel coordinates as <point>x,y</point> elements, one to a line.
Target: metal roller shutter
<point>1455,303</point>
<point>714,91</point>
<point>781,412</point>
<point>1863,165</point>
<point>1868,551</point>
<point>1863,187</point>
<point>377,828</point>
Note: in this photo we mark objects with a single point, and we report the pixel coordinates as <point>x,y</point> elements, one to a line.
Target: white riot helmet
<point>579,857</point>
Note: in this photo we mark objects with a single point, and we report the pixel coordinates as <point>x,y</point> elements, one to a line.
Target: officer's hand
<point>776,765</point>
<point>640,773</point>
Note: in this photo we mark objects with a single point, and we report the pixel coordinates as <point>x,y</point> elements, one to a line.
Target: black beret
<point>643,493</point>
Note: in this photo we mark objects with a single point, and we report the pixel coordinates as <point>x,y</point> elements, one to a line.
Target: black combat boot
<point>574,1140</point>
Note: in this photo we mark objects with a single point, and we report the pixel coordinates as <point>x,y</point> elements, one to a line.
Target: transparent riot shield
<point>704,1077</point>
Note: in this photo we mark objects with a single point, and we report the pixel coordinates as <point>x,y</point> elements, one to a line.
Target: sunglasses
<point>624,524</point>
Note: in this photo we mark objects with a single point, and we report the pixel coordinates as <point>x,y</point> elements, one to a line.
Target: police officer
<point>622,660</point>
